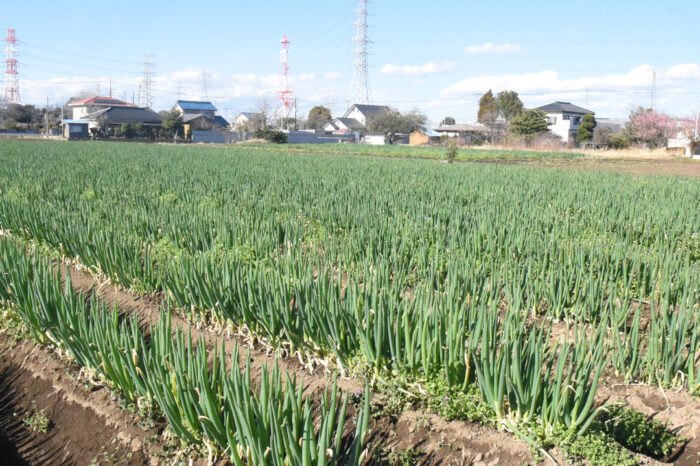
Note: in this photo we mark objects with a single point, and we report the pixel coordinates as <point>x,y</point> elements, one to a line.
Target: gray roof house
<point>109,120</point>
<point>363,112</point>
<point>563,118</point>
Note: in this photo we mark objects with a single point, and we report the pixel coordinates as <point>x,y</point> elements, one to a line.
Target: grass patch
<point>638,433</point>
<point>594,447</point>
<point>37,420</point>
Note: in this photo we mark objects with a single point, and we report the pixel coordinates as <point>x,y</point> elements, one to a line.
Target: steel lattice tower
<point>286,99</point>
<point>146,88</point>
<point>360,91</point>
<point>11,75</point>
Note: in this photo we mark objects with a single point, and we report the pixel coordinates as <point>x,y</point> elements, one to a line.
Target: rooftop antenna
<point>360,91</point>
<point>11,75</point>
<point>146,87</point>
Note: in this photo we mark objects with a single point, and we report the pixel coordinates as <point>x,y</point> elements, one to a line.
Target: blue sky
<point>437,56</point>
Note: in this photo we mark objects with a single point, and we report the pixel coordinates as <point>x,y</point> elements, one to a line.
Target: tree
<point>392,122</point>
<point>487,109</point>
<point>172,124</point>
<point>318,116</point>
<point>509,104</point>
<point>528,124</point>
<point>649,128</point>
<point>585,128</point>
<point>447,121</point>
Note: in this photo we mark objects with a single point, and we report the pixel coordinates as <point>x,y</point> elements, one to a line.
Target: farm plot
<point>509,296</point>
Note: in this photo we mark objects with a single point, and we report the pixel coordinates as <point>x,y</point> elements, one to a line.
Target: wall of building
<point>359,116</point>
<point>560,126</point>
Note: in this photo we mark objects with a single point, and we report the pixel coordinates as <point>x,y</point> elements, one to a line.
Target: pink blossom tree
<point>651,128</point>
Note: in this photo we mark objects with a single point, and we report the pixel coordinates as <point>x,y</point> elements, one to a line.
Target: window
<point>76,128</point>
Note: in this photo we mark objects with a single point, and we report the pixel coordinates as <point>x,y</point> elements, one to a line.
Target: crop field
<point>283,305</point>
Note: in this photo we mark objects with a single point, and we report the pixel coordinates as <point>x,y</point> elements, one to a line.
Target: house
<point>365,112</point>
<point>108,121</point>
<point>423,137</point>
<point>75,129</point>
<point>468,133</point>
<point>93,104</point>
<point>199,120</point>
<point>563,118</point>
<point>189,107</point>
<point>248,120</point>
<point>690,146</point>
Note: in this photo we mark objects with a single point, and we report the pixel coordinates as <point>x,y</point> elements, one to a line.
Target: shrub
<point>278,137</point>
<point>451,151</point>
<point>618,141</point>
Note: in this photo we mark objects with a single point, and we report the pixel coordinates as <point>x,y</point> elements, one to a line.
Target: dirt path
<point>85,426</point>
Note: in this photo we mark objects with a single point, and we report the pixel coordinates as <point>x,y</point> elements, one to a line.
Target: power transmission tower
<point>146,88</point>
<point>179,91</point>
<point>286,99</point>
<point>360,91</point>
<point>11,75</point>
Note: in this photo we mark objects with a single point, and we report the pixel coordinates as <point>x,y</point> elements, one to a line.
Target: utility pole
<point>696,120</point>
<point>205,85</point>
<point>653,89</point>
<point>110,87</point>
<point>587,91</point>
<point>46,134</point>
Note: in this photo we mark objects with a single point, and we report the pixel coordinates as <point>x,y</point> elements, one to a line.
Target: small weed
<point>638,433</point>
<point>38,421</point>
<point>407,457</point>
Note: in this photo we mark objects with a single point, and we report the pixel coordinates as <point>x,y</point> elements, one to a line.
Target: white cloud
<point>332,75</point>
<point>490,47</point>
<point>417,70</point>
<point>638,78</point>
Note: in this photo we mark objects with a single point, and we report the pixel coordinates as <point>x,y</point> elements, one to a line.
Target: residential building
<point>199,119</point>
<point>248,120</point>
<point>421,138</point>
<point>93,104</point>
<point>190,107</point>
<point>108,121</point>
<point>365,112</point>
<point>75,129</point>
<point>468,133</point>
<point>564,118</point>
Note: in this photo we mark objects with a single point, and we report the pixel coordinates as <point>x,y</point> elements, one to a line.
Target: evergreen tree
<point>509,104</point>
<point>528,124</point>
<point>487,109</point>
<point>585,128</point>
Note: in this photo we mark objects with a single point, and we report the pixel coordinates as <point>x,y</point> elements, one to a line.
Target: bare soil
<point>85,426</point>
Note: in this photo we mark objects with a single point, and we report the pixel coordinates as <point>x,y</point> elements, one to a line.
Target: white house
<point>248,119</point>
<point>563,118</point>
<point>363,112</point>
